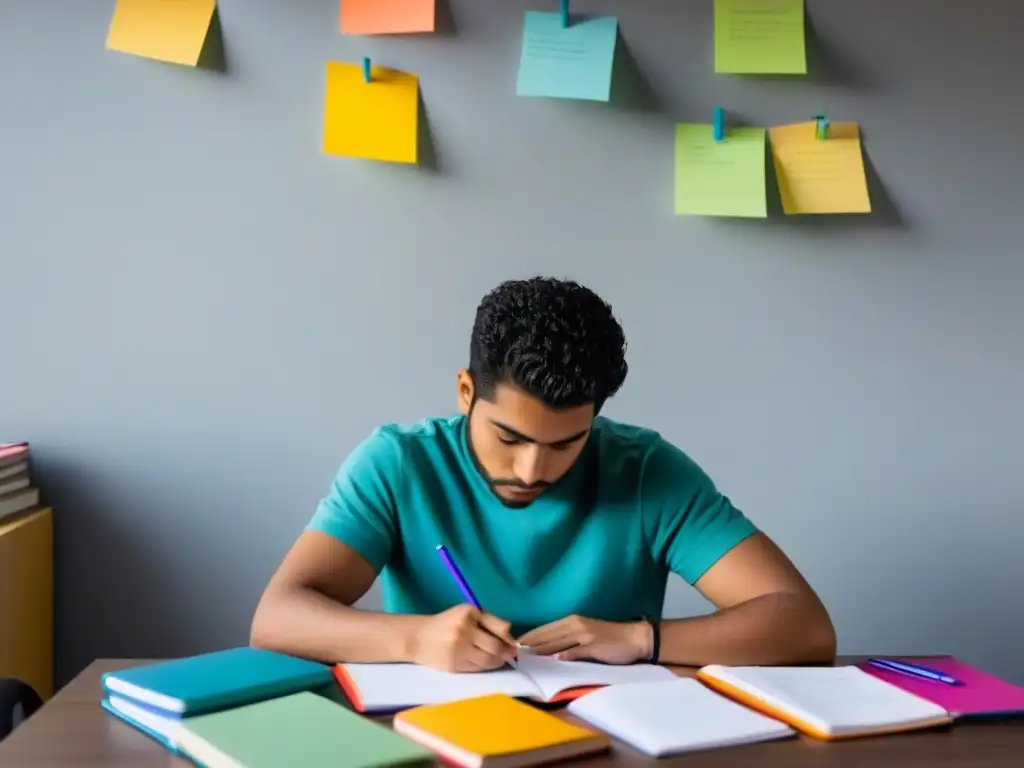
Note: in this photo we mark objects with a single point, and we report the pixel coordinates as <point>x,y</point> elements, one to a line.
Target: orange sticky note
<point>167,30</point>
<point>820,175</point>
<point>387,17</point>
<point>377,120</point>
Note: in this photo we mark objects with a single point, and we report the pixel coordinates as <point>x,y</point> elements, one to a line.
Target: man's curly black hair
<point>554,339</point>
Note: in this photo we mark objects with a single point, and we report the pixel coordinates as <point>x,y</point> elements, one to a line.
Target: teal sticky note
<point>573,62</point>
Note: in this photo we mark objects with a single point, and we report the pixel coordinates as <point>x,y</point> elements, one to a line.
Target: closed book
<point>216,680</point>
<point>496,731</point>
<point>18,501</point>
<point>979,694</point>
<point>302,730</point>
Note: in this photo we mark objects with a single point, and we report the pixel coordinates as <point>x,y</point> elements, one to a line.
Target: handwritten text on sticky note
<point>720,178</point>
<point>387,17</point>
<point>573,62</point>
<point>377,120</point>
<point>820,175</point>
<point>760,37</point>
<point>166,30</point>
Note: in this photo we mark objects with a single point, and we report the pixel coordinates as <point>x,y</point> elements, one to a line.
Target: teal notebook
<point>217,680</point>
<point>299,730</point>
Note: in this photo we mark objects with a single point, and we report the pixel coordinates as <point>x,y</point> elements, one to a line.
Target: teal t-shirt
<point>601,542</point>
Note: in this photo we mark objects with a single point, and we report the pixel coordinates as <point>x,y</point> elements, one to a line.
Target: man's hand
<point>576,637</point>
<point>462,639</point>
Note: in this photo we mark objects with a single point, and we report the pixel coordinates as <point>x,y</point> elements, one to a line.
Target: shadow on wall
<point>108,582</point>
<point>214,56</point>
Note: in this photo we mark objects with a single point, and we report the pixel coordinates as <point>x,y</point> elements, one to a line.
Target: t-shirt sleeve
<point>360,508</point>
<point>690,525</point>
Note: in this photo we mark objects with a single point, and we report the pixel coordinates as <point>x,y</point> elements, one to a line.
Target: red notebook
<point>981,694</point>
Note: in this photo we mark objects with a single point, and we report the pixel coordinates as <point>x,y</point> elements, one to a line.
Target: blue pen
<point>453,569</point>
<point>914,670</point>
<point>459,579</point>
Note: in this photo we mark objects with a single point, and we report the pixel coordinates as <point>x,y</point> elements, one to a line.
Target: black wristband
<point>655,639</point>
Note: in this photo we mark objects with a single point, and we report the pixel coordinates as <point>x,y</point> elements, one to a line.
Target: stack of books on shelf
<point>16,490</point>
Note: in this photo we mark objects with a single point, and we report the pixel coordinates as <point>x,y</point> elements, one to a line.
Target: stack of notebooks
<point>16,490</point>
<point>252,708</point>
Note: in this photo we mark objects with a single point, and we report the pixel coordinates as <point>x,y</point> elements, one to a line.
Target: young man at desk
<point>564,523</point>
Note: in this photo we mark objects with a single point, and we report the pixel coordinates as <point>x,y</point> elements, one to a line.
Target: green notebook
<point>302,729</point>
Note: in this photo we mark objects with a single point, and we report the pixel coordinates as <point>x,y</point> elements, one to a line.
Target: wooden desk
<point>73,730</point>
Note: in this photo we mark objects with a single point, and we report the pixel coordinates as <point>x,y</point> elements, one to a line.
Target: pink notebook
<point>980,695</point>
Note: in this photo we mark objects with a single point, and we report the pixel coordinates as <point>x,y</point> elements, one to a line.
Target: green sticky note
<point>573,62</point>
<point>720,178</point>
<point>760,37</point>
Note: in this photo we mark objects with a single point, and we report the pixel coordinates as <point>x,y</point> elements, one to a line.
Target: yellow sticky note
<point>387,17</point>
<point>820,175</point>
<point>375,120</point>
<point>167,30</point>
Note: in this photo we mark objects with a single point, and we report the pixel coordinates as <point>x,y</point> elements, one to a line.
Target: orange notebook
<point>392,687</point>
<point>496,731</point>
<point>828,703</point>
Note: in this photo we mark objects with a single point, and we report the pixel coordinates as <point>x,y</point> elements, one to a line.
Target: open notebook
<point>674,717</point>
<point>825,702</point>
<point>392,687</point>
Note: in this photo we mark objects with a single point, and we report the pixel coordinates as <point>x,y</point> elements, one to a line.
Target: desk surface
<point>73,730</point>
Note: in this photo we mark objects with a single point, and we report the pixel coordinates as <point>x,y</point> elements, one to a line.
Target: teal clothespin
<point>719,124</point>
<point>821,127</point>
<point>565,13</point>
<point>366,68</point>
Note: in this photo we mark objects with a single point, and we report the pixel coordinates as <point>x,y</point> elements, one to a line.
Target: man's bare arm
<point>306,609</point>
<point>767,614</point>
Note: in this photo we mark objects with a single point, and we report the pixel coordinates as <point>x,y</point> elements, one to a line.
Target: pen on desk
<point>914,670</point>
<point>459,579</point>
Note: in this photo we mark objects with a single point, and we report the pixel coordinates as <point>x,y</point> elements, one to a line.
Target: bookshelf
<point>26,599</point>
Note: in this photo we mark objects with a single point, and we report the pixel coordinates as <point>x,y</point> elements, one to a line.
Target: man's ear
<point>465,390</point>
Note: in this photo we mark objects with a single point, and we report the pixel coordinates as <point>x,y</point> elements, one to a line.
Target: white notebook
<point>826,702</point>
<point>391,687</point>
<point>676,716</point>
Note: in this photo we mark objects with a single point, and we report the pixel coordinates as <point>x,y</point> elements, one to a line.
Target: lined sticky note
<point>820,175</point>
<point>720,178</point>
<point>760,37</point>
<point>387,17</point>
<point>377,120</point>
<point>166,30</point>
<point>573,62</point>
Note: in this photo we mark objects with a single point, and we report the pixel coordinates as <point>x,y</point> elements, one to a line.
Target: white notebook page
<point>834,699</point>
<point>676,716</point>
<point>397,686</point>
<point>552,676</point>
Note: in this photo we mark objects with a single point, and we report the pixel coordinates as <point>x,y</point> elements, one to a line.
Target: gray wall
<point>202,314</point>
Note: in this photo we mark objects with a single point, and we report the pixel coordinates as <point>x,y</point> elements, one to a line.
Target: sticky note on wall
<point>573,62</point>
<point>166,30</point>
<point>720,178</point>
<point>376,120</point>
<point>387,17</point>
<point>820,175</point>
<point>760,37</point>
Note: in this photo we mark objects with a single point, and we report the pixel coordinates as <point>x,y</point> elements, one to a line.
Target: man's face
<point>522,446</point>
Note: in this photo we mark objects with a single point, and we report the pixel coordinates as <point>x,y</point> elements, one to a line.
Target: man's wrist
<point>403,640</point>
<point>641,638</point>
